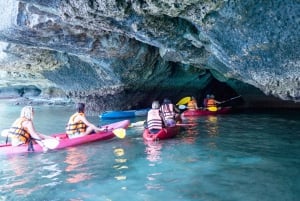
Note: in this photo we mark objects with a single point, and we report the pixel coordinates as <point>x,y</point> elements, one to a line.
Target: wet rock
<point>124,54</point>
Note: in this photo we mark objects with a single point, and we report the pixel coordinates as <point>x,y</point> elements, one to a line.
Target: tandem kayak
<point>201,112</point>
<point>123,114</point>
<point>65,142</point>
<point>165,133</point>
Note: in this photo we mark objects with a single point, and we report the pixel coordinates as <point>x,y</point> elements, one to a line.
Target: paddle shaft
<point>230,99</point>
<point>178,124</point>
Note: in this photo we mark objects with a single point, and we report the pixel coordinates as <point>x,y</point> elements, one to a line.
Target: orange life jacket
<point>211,103</point>
<point>18,131</point>
<point>154,120</point>
<point>78,127</point>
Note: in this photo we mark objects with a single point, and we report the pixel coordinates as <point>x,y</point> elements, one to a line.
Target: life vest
<point>78,127</point>
<point>191,105</point>
<point>211,103</point>
<point>19,132</point>
<point>154,120</point>
<point>167,111</point>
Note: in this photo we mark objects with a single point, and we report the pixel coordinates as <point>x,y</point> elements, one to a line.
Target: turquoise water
<point>241,156</point>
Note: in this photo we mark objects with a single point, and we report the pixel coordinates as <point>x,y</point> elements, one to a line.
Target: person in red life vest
<point>22,130</point>
<point>170,114</point>
<point>212,103</point>
<point>78,125</point>
<point>192,104</point>
<point>154,120</point>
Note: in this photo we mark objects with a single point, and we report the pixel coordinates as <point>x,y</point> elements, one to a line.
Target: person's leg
<point>88,130</point>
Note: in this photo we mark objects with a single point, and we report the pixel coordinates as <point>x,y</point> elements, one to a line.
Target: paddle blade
<point>120,132</point>
<point>184,100</point>
<point>182,107</point>
<point>51,143</point>
<point>5,133</point>
<point>212,109</point>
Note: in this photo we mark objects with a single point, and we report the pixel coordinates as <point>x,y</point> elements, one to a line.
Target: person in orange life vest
<point>154,120</point>
<point>22,130</point>
<point>192,104</point>
<point>78,125</point>
<point>211,102</point>
<point>205,100</point>
<point>169,113</point>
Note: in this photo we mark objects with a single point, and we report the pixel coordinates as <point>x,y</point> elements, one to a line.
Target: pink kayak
<point>64,141</point>
<point>201,112</point>
<point>165,133</point>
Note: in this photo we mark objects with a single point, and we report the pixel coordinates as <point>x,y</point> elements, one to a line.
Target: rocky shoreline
<point>37,101</point>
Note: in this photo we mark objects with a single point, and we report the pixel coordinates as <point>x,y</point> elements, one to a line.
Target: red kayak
<point>164,133</point>
<point>64,141</point>
<point>201,112</point>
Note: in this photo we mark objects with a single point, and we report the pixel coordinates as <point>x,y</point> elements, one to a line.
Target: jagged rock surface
<point>124,54</point>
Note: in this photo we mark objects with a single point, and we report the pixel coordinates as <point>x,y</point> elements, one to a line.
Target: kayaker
<point>22,130</point>
<point>169,113</point>
<point>154,120</point>
<point>212,103</point>
<point>78,125</point>
<point>192,104</point>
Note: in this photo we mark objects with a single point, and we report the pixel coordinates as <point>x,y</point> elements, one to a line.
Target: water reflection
<point>52,169</point>
<point>120,163</point>
<point>191,136</point>
<point>190,131</point>
<point>153,151</point>
<point>15,173</point>
<point>21,174</point>
<point>76,160</point>
<point>211,125</point>
<point>48,170</point>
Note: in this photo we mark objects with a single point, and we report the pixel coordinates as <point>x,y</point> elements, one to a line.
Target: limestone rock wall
<point>123,54</point>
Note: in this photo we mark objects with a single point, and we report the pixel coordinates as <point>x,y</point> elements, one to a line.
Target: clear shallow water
<point>246,156</point>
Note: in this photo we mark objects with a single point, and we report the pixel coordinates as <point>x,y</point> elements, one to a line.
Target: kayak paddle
<point>184,100</point>
<point>190,124</point>
<point>212,108</point>
<point>4,133</point>
<point>119,132</point>
<point>182,107</point>
<point>50,143</point>
<point>230,99</point>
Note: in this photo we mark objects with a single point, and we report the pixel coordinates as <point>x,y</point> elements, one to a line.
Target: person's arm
<point>30,127</point>
<point>86,122</point>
